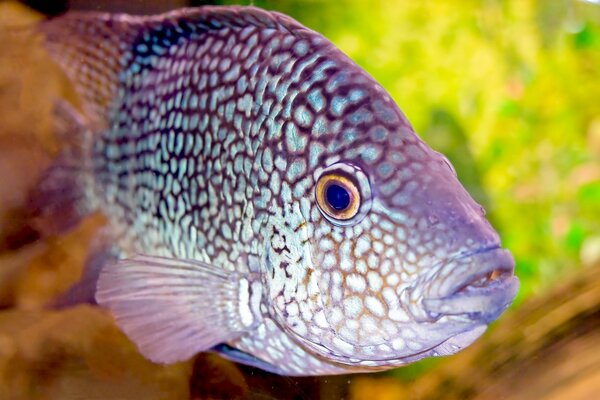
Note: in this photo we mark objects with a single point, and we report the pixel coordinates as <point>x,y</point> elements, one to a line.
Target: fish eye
<point>337,196</point>
<point>342,191</point>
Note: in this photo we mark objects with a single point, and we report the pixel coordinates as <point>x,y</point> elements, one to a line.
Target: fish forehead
<point>297,102</point>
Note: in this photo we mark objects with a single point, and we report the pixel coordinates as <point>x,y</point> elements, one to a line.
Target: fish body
<point>267,198</point>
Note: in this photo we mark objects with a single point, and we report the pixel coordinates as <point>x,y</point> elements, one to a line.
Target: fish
<point>266,198</point>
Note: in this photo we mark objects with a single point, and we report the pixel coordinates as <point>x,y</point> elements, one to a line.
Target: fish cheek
<point>292,279</point>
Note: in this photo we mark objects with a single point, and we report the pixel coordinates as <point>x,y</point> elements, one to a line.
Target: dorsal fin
<point>89,47</point>
<point>94,48</point>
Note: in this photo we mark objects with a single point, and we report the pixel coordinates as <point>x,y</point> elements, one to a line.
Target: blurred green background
<point>510,92</point>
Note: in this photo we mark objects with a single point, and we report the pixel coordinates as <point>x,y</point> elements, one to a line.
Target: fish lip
<point>469,267</point>
<point>482,289</point>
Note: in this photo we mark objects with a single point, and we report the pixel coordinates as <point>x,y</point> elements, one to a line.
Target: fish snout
<point>480,284</point>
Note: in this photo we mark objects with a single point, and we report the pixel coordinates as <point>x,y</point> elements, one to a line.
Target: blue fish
<point>266,197</point>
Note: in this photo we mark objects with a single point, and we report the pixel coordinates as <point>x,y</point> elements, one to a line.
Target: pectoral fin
<point>173,309</point>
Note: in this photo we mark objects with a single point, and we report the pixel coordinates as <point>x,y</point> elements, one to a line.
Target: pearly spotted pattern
<point>216,129</point>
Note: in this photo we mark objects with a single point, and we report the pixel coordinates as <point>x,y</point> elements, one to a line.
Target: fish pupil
<point>338,197</point>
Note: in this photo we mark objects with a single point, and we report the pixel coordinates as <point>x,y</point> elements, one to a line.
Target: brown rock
<point>79,354</point>
<point>58,266</point>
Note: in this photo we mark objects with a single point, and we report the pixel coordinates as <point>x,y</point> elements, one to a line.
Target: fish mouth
<point>480,286</point>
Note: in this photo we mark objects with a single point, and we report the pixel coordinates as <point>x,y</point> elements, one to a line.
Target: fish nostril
<point>433,219</point>
<point>482,211</point>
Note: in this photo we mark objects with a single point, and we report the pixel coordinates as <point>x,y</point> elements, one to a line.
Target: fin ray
<point>87,46</point>
<point>173,309</point>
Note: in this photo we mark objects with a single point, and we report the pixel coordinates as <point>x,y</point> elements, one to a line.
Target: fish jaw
<point>466,294</point>
<point>478,286</point>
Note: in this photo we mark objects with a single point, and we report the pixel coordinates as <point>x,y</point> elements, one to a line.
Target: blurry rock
<point>14,15</point>
<point>265,385</point>
<point>79,354</point>
<point>20,165</point>
<point>54,270</point>
<point>216,378</point>
<point>29,83</point>
<point>387,388</point>
<point>12,267</point>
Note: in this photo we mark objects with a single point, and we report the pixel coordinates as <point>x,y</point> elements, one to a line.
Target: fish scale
<point>213,130</point>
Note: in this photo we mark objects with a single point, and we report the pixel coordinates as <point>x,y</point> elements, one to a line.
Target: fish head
<point>387,259</point>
